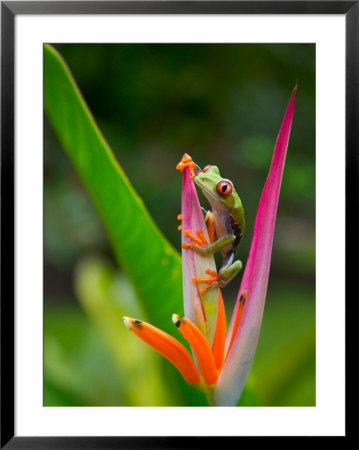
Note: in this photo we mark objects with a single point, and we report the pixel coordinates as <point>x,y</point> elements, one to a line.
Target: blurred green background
<point>222,104</point>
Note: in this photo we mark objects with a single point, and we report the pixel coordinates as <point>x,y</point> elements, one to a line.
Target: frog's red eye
<point>207,167</point>
<point>224,188</point>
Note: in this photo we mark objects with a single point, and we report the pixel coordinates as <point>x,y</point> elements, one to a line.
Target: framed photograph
<point>175,178</point>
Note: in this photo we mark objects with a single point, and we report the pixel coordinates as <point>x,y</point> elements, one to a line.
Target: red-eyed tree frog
<point>227,219</point>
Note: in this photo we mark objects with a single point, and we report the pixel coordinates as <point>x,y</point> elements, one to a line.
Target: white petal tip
<point>175,319</point>
<point>128,322</point>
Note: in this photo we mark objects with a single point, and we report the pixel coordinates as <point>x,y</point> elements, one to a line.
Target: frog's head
<point>216,188</point>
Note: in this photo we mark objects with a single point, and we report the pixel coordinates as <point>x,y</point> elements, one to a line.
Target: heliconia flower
<point>222,360</point>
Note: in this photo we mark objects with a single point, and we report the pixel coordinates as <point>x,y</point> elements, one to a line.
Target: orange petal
<point>200,347</point>
<point>168,346</point>
<point>237,318</point>
<point>219,341</point>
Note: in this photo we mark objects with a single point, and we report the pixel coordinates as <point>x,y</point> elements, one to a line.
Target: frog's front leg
<point>199,245</point>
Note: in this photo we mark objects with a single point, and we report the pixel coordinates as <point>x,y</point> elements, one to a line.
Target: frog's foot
<point>198,241</point>
<point>179,217</point>
<point>212,281</point>
<point>187,161</point>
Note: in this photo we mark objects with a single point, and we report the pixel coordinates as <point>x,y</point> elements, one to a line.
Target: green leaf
<point>148,259</point>
<point>78,369</point>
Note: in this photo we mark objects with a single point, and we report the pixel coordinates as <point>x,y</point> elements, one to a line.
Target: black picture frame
<point>9,10</point>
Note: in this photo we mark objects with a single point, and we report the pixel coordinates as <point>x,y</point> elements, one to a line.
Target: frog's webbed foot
<point>212,281</point>
<point>221,279</point>
<point>187,161</point>
<point>198,241</point>
<point>209,220</point>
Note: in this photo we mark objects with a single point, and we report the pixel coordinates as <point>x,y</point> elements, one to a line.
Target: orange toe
<point>186,161</point>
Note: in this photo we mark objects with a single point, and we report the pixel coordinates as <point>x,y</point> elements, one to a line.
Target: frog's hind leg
<point>229,268</point>
<point>227,273</point>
